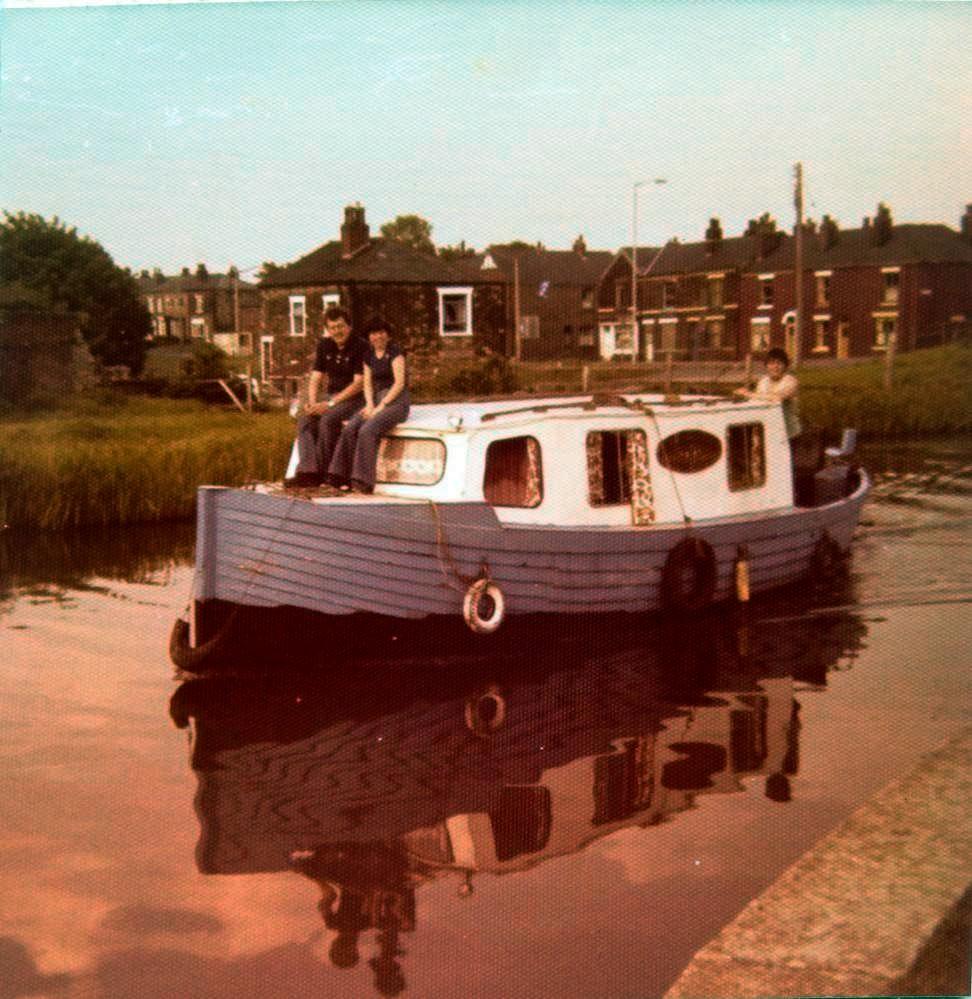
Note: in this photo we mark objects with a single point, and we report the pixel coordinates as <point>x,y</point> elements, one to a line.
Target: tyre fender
<point>483,607</point>
<point>688,579</point>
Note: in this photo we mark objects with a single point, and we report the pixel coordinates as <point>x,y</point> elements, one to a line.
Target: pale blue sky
<point>238,132</point>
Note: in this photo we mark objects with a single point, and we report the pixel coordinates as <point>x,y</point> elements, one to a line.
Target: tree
<point>412,230</point>
<point>67,272</point>
<point>460,252</point>
<point>267,269</point>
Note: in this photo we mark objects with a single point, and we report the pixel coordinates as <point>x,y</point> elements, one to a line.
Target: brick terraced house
<point>217,308</point>
<point>723,298</point>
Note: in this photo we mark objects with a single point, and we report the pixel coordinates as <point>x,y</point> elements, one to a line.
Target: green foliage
<point>66,272</point>
<point>118,460</point>
<point>460,252</point>
<point>412,230</point>
<point>207,361</point>
<point>491,375</point>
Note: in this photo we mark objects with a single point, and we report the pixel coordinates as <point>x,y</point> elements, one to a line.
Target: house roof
<point>559,267</point>
<point>190,282</point>
<point>910,243</point>
<point>380,261</point>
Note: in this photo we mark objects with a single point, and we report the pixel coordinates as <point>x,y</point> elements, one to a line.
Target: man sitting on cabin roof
<point>339,357</point>
<point>778,385</point>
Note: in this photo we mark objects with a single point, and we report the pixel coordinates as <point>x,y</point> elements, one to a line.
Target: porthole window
<point>689,451</point>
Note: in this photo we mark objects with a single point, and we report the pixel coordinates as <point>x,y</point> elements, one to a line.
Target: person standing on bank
<point>779,385</point>
<point>386,403</point>
<point>340,358</point>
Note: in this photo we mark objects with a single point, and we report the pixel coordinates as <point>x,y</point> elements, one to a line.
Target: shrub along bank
<point>120,459</point>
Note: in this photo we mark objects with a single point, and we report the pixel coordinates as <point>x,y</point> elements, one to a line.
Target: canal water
<point>573,817</point>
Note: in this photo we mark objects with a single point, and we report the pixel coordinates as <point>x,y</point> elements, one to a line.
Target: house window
<point>298,315</point>
<point>714,292</point>
<point>669,293</point>
<point>330,300</point>
<point>890,284</point>
<point>609,461</point>
<point>885,329</point>
<point>197,328</point>
<point>745,456</point>
<point>759,335</point>
<point>766,293</point>
<point>513,476</point>
<point>455,311</point>
<point>822,281</point>
<point>715,333</point>
<point>821,334</point>
<point>529,327</point>
<point>199,303</point>
<point>585,336</point>
<point>587,298</point>
<point>411,461</point>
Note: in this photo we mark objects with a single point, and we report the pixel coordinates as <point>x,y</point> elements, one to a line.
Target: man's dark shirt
<point>340,364</point>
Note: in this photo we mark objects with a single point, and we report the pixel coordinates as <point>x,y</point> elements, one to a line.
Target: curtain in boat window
<point>513,474</point>
<point>415,461</point>
<point>595,469</point>
<point>642,496</point>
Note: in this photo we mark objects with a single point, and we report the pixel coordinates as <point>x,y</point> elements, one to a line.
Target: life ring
<point>483,607</point>
<point>688,579</point>
<point>486,712</point>
<point>194,659</point>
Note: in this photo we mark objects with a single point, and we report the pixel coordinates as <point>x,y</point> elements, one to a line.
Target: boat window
<point>746,454</point>
<point>521,821</point>
<point>611,455</point>
<point>412,461</point>
<point>689,451</point>
<point>513,473</point>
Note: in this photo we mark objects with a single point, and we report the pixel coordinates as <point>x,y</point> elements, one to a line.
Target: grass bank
<point>120,460</point>
<point>931,394</point>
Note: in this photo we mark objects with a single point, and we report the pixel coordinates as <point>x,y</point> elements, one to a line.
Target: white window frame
<point>715,281</point>
<point>821,322</point>
<point>329,299</point>
<point>879,319</point>
<point>767,281</point>
<point>890,294</point>
<point>302,300</point>
<point>759,324</point>
<point>199,302</point>
<point>821,280</point>
<point>197,323</point>
<point>455,291</point>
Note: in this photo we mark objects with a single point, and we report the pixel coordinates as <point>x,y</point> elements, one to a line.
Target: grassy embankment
<point>121,459</point>
<point>126,459</point>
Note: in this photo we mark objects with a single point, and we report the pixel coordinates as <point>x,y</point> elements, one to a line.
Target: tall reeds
<point>128,460</point>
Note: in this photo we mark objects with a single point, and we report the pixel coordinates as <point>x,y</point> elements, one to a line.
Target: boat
<point>497,511</point>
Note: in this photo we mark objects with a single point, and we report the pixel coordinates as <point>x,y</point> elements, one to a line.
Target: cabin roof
<point>497,412</point>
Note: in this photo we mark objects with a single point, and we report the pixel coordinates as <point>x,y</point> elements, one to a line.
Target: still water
<point>573,818</point>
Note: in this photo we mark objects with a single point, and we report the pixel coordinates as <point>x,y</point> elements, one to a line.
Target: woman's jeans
<point>356,454</point>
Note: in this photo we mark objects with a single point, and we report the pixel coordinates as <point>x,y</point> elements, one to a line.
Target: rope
<point>686,519</point>
<point>445,556</point>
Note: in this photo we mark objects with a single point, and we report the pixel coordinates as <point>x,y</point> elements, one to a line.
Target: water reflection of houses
<point>372,792</point>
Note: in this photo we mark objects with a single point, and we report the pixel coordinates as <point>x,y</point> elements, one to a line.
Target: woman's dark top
<point>382,376</point>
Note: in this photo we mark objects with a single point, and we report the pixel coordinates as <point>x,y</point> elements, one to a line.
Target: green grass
<point>931,394</point>
<point>119,460</point>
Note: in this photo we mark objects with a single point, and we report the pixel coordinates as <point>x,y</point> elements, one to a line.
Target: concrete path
<point>852,916</point>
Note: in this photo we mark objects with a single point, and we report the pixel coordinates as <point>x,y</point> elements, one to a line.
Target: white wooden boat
<point>495,510</point>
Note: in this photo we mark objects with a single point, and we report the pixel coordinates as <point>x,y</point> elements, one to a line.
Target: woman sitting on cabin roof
<point>386,404</point>
<point>778,385</point>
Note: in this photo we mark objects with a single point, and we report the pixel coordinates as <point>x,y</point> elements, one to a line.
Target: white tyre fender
<point>486,712</point>
<point>483,607</point>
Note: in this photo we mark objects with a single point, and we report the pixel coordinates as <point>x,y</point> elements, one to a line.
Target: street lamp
<point>634,259</point>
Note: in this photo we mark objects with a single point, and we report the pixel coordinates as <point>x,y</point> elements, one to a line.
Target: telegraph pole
<point>798,264</point>
<point>516,306</point>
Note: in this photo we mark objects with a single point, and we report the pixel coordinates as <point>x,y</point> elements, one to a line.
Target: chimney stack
<point>354,231</point>
<point>580,247</point>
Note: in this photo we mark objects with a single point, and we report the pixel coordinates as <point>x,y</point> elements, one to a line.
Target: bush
<point>490,376</point>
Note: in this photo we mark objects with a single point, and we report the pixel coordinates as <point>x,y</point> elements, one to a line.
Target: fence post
<point>889,361</point>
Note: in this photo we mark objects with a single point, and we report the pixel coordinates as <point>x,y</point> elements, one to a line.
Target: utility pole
<point>798,264</point>
<point>516,307</point>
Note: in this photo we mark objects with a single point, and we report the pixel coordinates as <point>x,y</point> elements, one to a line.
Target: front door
<point>843,341</point>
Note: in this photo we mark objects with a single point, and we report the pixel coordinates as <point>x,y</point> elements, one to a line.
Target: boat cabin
<point>634,459</point>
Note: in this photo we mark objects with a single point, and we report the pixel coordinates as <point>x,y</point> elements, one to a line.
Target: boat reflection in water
<point>454,769</point>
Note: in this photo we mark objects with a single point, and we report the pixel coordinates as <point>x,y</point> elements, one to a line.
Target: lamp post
<point>634,260</point>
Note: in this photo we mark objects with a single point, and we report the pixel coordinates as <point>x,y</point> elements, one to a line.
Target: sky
<point>236,133</point>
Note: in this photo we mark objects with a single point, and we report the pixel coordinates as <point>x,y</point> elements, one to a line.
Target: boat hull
<point>408,560</point>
